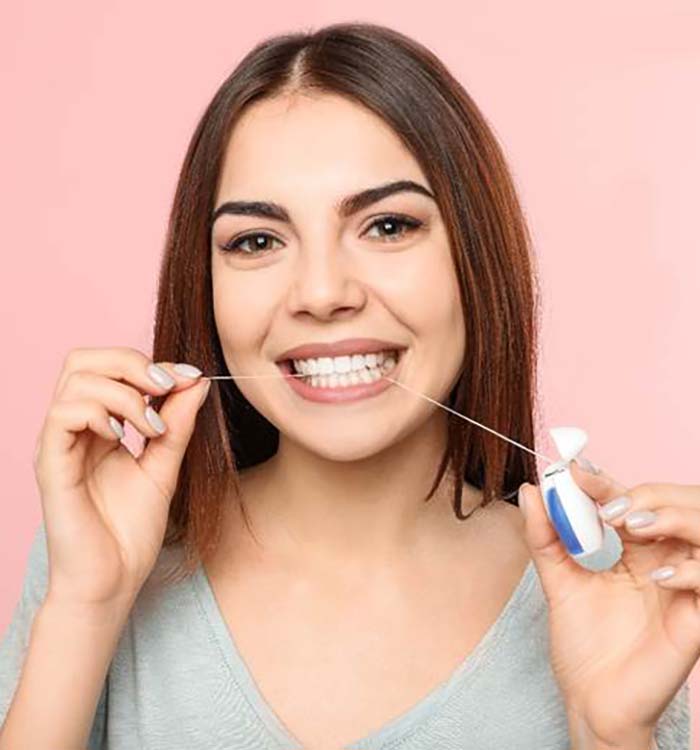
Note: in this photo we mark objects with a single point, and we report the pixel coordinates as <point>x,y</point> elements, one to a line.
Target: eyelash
<point>233,245</point>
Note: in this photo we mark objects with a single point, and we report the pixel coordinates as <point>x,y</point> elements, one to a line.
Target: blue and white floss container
<point>571,511</point>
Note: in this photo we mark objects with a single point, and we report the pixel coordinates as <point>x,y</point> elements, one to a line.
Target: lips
<point>339,394</point>
<point>338,348</point>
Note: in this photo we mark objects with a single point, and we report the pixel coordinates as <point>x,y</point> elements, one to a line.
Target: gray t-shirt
<point>177,679</point>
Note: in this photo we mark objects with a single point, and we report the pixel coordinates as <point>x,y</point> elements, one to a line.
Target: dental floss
<point>571,511</point>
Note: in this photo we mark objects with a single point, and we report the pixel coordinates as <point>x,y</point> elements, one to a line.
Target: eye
<point>409,225</point>
<point>233,246</point>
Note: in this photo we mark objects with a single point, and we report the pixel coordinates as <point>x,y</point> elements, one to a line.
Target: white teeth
<point>358,361</point>
<point>354,377</point>
<point>341,365</point>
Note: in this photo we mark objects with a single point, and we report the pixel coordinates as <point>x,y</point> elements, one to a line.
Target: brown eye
<point>386,223</point>
<point>393,227</point>
<point>233,246</point>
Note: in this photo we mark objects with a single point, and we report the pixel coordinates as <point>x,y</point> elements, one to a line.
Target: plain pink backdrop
<point>595,104</point>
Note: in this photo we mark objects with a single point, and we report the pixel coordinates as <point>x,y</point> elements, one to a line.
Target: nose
<point>325,282</point>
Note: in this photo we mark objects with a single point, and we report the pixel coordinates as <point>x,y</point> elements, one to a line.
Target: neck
<point>354,512</point>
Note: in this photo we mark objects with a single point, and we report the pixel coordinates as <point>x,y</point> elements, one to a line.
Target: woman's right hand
<point>106,510</point>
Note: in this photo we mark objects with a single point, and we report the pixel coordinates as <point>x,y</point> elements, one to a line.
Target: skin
<point>347,482</point>
<point>347,550</point>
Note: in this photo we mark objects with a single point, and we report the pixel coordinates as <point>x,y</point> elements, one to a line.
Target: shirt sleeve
<point>15,639</point>
<point>673,727</point>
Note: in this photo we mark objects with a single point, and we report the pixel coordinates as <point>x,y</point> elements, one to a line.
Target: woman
<point>323,559</point>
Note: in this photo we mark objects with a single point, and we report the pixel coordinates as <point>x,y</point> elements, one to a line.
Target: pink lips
<point>340,393</point>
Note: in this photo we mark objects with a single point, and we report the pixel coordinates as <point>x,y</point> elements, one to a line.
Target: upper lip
<point>338,348</point>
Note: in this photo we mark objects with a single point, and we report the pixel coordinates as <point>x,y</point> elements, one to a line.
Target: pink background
<point>595,104</point>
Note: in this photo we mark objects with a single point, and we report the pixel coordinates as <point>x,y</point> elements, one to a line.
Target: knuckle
<point>73,357</point>
<point>644,493</point>
<point>54,412</point>
<point>75,381</point>
<point>133,352</point>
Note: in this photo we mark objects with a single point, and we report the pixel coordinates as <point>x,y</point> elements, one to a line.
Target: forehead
<point>322,144</point>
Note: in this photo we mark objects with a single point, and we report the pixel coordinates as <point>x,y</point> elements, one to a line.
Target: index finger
<point>601,487</point>
<point>129,365</point>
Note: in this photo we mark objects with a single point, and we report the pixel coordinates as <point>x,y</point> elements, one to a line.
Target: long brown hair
<point>410,88</point>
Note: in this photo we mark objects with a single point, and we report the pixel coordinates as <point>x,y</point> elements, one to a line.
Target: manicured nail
<point>159,376</point>
<point>187,371</point>
<point>615,508</point>
<point>154,420</point>
<point>587,465</point>
<point>116,426</point>
<point>661,574</point>
<point>640,518</point>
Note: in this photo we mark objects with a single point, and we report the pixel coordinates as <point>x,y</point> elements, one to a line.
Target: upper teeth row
<point>347,363</point>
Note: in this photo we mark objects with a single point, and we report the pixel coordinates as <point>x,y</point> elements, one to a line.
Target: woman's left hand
<point>621,644</point>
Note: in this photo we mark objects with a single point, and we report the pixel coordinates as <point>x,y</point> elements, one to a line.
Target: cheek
<point>425,294</point>
<point>240,311</point>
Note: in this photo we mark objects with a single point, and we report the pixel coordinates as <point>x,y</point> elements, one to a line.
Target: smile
<point>347,378</point>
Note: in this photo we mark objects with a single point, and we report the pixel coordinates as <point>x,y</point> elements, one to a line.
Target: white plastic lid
<point>570,441</point>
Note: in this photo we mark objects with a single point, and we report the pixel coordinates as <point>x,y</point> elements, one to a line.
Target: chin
<point>343,447</point>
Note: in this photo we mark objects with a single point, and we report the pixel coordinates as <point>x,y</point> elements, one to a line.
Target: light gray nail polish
<point>615,508</point>
<point>188,371</point>
<point>159,376</point>
<point>587,465</point>
<point>661,574</point>
<point>154,419</point>
<point>116,426</point>
<point>640,518</point>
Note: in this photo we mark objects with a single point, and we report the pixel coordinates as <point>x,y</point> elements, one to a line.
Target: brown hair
<point>410,88</point>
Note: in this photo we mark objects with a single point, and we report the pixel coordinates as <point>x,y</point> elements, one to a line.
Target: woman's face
<point>326,275</point>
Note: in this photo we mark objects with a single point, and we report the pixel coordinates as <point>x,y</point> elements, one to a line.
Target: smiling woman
<point>344,206</point>
<point>343,564</point>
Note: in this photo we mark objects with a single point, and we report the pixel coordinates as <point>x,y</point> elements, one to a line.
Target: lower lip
<point>340,393</point>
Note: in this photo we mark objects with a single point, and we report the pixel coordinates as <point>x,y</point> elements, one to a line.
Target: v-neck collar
<point>402,725</point>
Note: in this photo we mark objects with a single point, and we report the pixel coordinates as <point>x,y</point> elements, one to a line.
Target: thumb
<point>557,570</point>
<point>163,455</point>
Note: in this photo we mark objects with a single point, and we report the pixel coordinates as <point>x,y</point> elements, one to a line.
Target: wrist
<point>90,614</point>
<point>583,738</point>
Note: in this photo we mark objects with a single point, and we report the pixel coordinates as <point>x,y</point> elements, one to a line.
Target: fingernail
<point>159,376</point>
<point>155,420</point>
<point>115,424</point>
<point>187,371</point>
<point>615,507</point>
<point>661,574</point>
<point>587,465</point>
<point>640,518</point>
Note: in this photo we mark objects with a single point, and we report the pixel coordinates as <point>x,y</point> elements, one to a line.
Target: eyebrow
<point>346,207</point>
